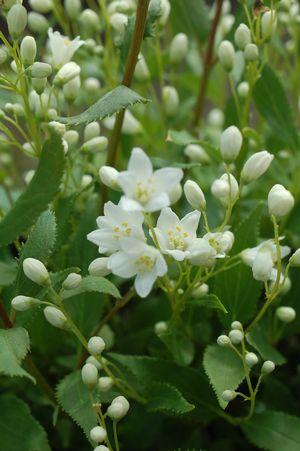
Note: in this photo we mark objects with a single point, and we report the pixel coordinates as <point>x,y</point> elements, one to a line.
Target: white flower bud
<point>262,265</point>
<point>251,52</point>
<point>97,144</point>
<point>105,383</point>
<point>243,89</point>
<point>86,180</point>
<point>41,6</point>
<point>237,325</point>
<point>28,50</point>
<point>39,85</point>
<point>295,258</point>
<point>58,127</point>
<point>118,22</point>
<point>37,22</point>
<point>286,314</point>
<point>98,434</point>
<point>91,130</point>
<point>72,281</point>
<point>89,375</point>
<point>268,367</point>
<point>160,327</point>
<point>36,271</point>
<point>280,201</point>
<point>116,411</point>
<point>236,336</point>
<point>55,317</point>
<point>96,345</point>
<point>109,176</point>
<point>251,359</point>
<point>101,448</point>
<point>90,20</point>
<point>13,66</point>
<point>73,8</point>
<point>200,290</point>
<point>3,56</point>
<point>216,118</point>
<point>223,341</point>
<point>196,153</point>
<point>92,85</point>
<point>226,55</point>
<point>170,100</point>
<point>16,21</point>
<point>23,303</point>
<point>165,9</point>
<point>66,73</point>
<point>98,267</point>
<point>194,195</point>
<point>51,113</point>
<point>256,166</point>
<point>141,71</point>
<point>71,89</point>
<point>179,48</point>
<point>91,359</point>
<point>228,395</point>
<point>108,336</point>
<point>231,143</point>
<point>72,137</point>
<point>29,176</point>
<point>39,70</point>
<point>242,36</point>
<point>223,190</point>
<point>268,23</point>
<point>122,400</point>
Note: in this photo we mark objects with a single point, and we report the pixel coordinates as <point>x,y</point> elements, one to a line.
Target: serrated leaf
<point>19,430</point>
<point>191,18</point>
<point>210,301</point>
<point>14,345</point>
<point>230,285</point>
<point>93,283</point>
<point>164,397</point>
<point>272,103</point>
<point>8,273</point>
<point>116,100</point>
<point>258,339</point>
<point>273,431</point>
<point>74,398</point>
<point>39,193</point>
<point>224,369</point>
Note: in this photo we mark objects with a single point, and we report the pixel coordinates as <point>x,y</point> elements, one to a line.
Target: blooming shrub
<point>149,231</point>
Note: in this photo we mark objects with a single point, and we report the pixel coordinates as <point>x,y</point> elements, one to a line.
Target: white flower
<point>262,259</point>
<point>136,258</point>
<point>222,242</point>
<point>114,225</point>
<point>145,189</point>
<point>175,236</point>
<point>62,48</point>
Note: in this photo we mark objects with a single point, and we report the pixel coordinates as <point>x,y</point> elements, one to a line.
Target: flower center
<point>144,263</point>
<point>122,231</point>
<point>177,237</point>
<point>144,192</point>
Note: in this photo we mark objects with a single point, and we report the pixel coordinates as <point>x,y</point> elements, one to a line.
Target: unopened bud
<point>243,89</point>
<point>91,359</point>
<point>268,367</point>
<point>39,84</point>
<point>71,89</point>
<point>242,36</point>
<point>23,303</point>
<point>179,48</point>
<point>39,70</point>
<point>223,341</point>
<point>118,22</point>
<point>37,22</point>
<point>92,85</point>
<point>91,130</point>
<point>170,100</point>
<point>141,71</point>
<point>96,345</point>
<point>228,395</point>
<point>160,327</point>
<point>55,317</point>
<point>72,281</point>
<point>73,8</point>
<point>286,314</point>
<point>295,258</point>
<point>3,56</point>
<point>200,290</point>
<point>36,271</point>
<point>268,23</point>
<point>236,336</point>
<point>251,52</point>
<point>28,50</point>
<point>225,189</point>
<point>237,325</point>
<point>109,176</point>
<point>116,411</point>
<point>98,434</point>
<point>41,6</point>
<point>251,359</point>
<point>98,267</point>
<point>16,21</point>
<point>97,144</point>
<point>58,127</point>
<point>226,55</point>
<point>105,383</point>
<point>72,137</point>
<point>280,201</point>
<point>196,153</point>
<point>89,375</point>
<point>66,73</point>
<point>231,143</point>
<point>256,166</point>
<point>90,21</point>
<point>194,195</point>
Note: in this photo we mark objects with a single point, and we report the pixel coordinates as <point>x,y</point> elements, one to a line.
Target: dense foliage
<point>149,225</point>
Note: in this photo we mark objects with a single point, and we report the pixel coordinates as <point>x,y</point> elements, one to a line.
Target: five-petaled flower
<point>62,48</point>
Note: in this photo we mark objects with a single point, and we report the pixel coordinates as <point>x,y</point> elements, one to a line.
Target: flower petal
<point>166,179</point>
<point>157,202</point>
<point>139,163</point>
<point>190,222</point>
<point>167,220</point>
<point>144,282</point>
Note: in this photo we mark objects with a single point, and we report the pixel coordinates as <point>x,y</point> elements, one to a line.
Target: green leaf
<point>191,18</point>
<point>183,138</point>
<point>116,100</point>
<point>272,103</point>
<point>38,194</point>
<point>273,431</point>
<point>210,301</point>
<point>162,163</point>
<point>19,430</point>
<point>224,369</point>
<point>14,345</point>
<point>258,339</point>
<point>8,272</point>
<point>230,285</point>
<point>164,397</point>
<point>74,398</point>
<point>93,283</point>
<point>179,345</point>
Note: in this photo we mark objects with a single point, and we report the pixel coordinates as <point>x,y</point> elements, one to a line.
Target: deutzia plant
<point>149,225</point>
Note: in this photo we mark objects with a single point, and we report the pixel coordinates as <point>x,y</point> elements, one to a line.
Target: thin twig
<point>208,63</point>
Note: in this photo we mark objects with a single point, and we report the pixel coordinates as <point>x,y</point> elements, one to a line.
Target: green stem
<point>116,436</point>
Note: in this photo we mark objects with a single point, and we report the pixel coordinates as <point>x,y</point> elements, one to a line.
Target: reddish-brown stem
<point>208,63</point>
